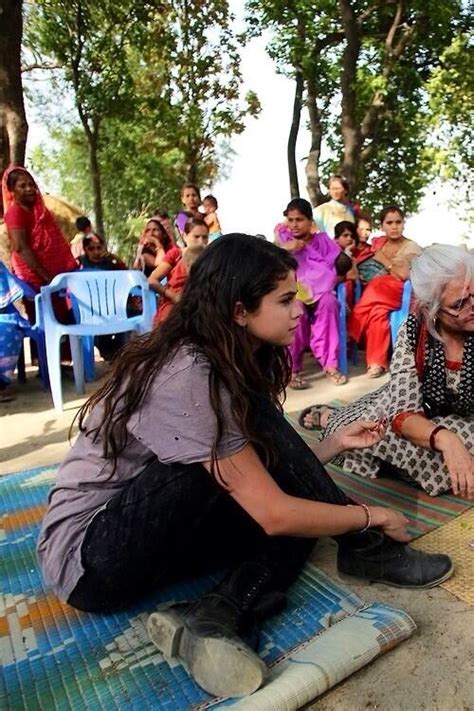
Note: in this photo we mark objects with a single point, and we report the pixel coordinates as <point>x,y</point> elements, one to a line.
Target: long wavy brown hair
<point>235,268</point>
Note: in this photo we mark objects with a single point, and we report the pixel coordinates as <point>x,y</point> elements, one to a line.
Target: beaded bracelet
<point>433,435</point>
<point>368,521</point>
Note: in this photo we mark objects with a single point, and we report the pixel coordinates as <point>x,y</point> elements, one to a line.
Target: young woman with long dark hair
<point>185,464</point>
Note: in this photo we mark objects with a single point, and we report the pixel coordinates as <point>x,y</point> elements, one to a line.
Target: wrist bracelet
<point>433,435</point>
<point>368,521</point>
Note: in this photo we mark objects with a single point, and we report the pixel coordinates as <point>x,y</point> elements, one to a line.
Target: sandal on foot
<point>316,412</point>
<point>375,371</point>
<point>297,383</point>
<point>336,377</point>
<point>6,397</point>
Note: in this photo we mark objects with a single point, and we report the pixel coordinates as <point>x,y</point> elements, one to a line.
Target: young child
<point>191,199</point>
<point>84,229</point>
<point>346,237</point>
<point>210,206</point>
<point>96,255</point>
<point>185,464</point>
<point>363,226</point>
<point>176,268</point>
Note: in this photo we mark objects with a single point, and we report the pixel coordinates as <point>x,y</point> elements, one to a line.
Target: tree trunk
<point>293,136</point>
<point>13,125</point>
<point>312,163</point>
<point>96,182</point>
<point>350,128</point>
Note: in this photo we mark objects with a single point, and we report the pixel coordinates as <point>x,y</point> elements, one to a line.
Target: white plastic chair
<point>100,307</point>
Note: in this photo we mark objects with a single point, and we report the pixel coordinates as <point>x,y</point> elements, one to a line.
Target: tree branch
<point>37,65</point>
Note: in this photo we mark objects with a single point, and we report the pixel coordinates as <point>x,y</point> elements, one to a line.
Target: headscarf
<point>47,241</point>
<point>430,359</point>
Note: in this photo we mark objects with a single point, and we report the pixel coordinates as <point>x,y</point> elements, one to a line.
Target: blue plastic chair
<point>99,301</point>
<point>342,299</point>
<point>399,316</point>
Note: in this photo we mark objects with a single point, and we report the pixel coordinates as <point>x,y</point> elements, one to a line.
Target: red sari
<point>370,317</point>
<point>49,246</point>
<point>44,237</point>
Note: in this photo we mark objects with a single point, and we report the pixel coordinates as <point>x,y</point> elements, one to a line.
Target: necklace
<point>390,253</point>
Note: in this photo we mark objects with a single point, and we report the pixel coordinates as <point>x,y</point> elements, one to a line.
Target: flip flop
<point>313,410</point>
<point>375,371</point>
<point>336,377</point>
<point>297,383</point>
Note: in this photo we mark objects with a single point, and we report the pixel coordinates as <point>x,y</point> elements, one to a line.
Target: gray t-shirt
<point>175,423</point>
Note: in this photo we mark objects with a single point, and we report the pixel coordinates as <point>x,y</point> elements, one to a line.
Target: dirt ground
<point>432,671</point>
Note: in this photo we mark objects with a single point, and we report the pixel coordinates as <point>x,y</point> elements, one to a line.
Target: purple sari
<point>316,272</point>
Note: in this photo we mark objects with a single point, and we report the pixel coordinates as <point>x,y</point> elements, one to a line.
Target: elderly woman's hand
<point>459,461</point>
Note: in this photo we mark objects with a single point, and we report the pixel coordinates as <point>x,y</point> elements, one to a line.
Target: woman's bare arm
<point>458,460</point>
<point>20,245</point>
<point>154,280</point>
<point>280,514</point>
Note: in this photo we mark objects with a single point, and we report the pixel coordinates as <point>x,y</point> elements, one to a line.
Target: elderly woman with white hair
<point>429,399</point>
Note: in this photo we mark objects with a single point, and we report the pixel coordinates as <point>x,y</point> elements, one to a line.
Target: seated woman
<point>39,249</point>
<point>185,463</point>
<point>316,256</point>
<point>155,244</point>
<point>96,255</point>
<point>370,319</point>
<point>176,268</point>
<point>429,399</point>
<point>165,221</point>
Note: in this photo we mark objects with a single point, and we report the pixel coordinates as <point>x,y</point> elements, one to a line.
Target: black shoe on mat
<point>374,557</point>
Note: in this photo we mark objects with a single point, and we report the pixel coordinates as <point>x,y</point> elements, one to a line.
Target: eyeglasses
<point>466,306</point>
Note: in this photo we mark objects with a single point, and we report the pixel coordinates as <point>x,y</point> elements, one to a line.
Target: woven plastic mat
<point>53,657</point>
<point>424,513</point>
<point>455,538</point>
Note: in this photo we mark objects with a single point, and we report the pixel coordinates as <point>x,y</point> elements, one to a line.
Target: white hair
<point>432,271</point>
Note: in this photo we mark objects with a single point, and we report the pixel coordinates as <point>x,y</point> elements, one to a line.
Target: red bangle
<point>433,435</point>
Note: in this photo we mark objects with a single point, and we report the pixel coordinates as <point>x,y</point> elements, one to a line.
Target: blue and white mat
<point>53,657</point>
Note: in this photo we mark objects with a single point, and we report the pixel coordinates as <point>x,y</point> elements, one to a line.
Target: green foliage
<point>159,85</point>
<point>409,84</point>
<point>451,100</point>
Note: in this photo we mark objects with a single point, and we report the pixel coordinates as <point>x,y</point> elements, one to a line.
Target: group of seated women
<point>184,463</point>
<point>331,245</point>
